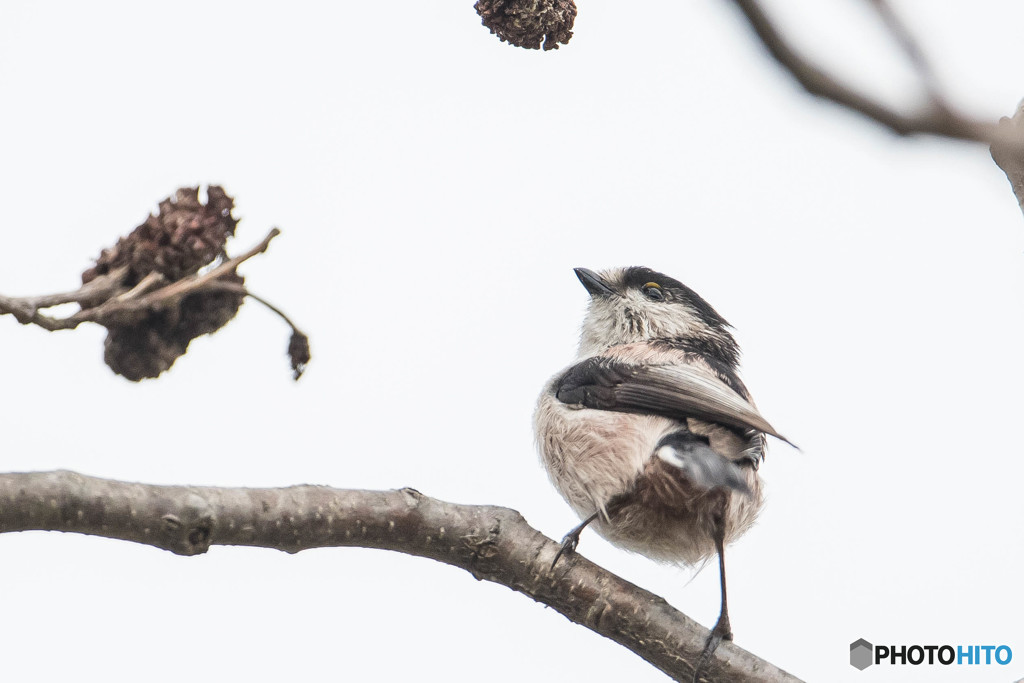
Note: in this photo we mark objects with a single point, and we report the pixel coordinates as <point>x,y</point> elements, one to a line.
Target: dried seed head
<point>141,351</point>
<point>140,283</point>
<point>298,351</point>
<point>206,312</point>
<point>182,238</point>
<point>529,23</point>
<point>150,346</point>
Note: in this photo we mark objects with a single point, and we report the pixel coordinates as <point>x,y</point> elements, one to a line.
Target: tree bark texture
<point>492,543</point>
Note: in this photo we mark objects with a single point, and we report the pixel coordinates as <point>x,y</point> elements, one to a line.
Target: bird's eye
<point>652,290</point>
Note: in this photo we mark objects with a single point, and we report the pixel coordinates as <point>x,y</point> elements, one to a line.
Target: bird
<point>650,434</point>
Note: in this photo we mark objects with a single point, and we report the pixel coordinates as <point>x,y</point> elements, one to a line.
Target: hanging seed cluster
<point>183,237</point>
<point>529,23</point>
<point>179,240</point>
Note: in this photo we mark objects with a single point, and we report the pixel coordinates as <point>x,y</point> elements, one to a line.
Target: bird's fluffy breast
<point>593,455</point>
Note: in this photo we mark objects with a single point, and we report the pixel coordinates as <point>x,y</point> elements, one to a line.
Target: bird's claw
<point>720,632</point>
<point>569,543</point>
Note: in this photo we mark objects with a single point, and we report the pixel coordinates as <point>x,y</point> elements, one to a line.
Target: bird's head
<point>637,304</point>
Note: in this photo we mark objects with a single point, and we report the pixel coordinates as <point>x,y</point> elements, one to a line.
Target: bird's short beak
<point>593,282</point>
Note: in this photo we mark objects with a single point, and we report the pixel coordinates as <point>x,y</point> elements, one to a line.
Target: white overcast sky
<point>435,188</point>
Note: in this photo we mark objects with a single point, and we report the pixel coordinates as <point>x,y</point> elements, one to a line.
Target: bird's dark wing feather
<point>675,391</point>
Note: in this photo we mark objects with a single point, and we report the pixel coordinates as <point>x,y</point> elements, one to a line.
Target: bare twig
<point>492,543</point>
<point>181,288</point>
<point>25,308</point>
<point>298,346</point>
<point>121,304</point>
<point>903,36</point>
<point>241,289</point>
<point>936,118</point>
<point>146,285</point>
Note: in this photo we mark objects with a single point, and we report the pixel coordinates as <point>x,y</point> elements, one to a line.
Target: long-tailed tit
<point>650,435</point>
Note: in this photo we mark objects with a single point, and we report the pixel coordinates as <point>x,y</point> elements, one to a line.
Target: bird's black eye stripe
<point>652,290</point>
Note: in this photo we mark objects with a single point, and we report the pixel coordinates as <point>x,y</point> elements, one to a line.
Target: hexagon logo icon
<point>860,654</point>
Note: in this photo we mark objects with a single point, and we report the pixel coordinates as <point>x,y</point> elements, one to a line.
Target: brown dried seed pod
<point>529,23</point>
<point>141,351</point>
<point>298,351</point>
<point>181,238</point>
<point>206,312</point>
<point>150,346</point>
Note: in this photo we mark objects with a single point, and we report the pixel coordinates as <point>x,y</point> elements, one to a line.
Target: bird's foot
<point>572,539</point>
<point>720,632</point>
<point>569,543</point>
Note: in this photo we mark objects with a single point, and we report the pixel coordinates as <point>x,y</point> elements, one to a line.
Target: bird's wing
<point>670,390</point>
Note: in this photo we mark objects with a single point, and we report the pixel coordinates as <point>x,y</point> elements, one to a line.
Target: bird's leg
<point>722,630</point>
<point>572,539</point>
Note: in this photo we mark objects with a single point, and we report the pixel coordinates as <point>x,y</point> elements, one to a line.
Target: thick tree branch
<point>492,543</point>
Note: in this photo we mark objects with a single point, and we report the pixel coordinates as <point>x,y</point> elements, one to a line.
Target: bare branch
<point>1005,139</point>
<point>146,285</point>
<point>1010,159</point>
<point>903,36</point>
<point>25,309</point>
<point>102,287</point>
<point>298,346</point>
<point>119,304</point>
<point>241,289</point>
<point>181,288</point>
<point>492,543</point>
<point>935,119</point>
